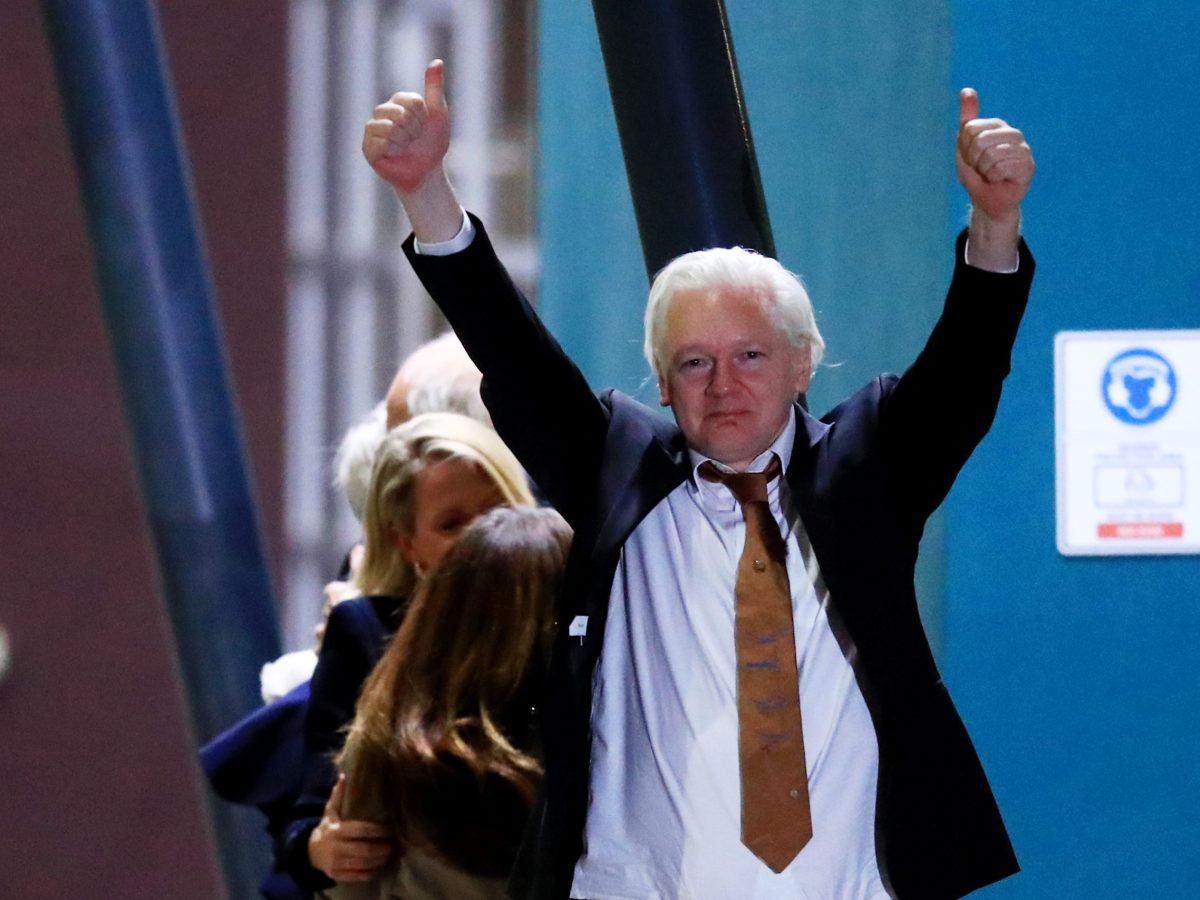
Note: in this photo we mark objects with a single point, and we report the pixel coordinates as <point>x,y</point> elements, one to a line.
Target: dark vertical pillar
<point>683,125</point>
<point>158,309</point>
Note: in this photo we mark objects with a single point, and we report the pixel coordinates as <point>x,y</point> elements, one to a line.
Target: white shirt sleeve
<point>1016,263</point>
<point>456,244</point>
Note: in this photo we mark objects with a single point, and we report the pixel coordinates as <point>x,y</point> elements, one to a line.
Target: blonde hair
<point>407,451</point>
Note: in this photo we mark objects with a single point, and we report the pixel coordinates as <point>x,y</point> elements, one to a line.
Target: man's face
<point>730,374</point>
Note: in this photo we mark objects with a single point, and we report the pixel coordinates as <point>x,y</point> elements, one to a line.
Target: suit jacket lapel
<point>809,433</point>
<point>642,465</point>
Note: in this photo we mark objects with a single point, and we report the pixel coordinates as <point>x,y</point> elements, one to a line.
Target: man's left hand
<point>994,163</point>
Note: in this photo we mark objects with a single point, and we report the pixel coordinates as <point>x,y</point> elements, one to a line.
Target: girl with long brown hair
<point>442,751</point>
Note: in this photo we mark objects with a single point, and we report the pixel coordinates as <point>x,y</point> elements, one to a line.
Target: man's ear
<point>664,391</point>
<point>804,369</point>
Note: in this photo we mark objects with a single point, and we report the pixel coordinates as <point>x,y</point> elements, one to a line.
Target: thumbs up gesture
<point>994,163</point>
<point>408,136</point>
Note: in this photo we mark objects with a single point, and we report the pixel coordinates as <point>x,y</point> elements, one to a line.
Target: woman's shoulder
<point>365,615</point>
<point>352,631</point>
<point>388,609</point>
<point>356,609</point>
<point>360,626</point>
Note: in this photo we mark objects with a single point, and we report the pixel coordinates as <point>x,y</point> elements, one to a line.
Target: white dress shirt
<point>664,811</point>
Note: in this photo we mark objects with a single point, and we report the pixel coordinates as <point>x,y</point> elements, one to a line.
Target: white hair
<point>780,293</point>
<point>439,377</point>
<point>355,457</point>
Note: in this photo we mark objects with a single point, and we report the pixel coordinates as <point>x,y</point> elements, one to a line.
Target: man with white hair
<point>742,701</point>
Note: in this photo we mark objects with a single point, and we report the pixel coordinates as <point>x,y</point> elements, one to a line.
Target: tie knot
<point>748,487</point>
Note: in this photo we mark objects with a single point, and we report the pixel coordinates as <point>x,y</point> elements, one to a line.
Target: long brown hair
<point>441,746</point>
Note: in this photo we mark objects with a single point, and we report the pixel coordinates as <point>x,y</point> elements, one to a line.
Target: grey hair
<point>780,292</point>
<point>355,458</point>
<point>442,378</point>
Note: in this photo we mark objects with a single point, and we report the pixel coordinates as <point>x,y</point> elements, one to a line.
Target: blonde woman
<point>443,756</point>
<point>432,477</point>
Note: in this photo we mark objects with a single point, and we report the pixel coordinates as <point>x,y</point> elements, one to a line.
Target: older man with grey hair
<point>436,377</point>
<point>742,701</point>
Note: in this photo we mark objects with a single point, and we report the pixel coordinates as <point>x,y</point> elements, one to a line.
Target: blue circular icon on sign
<point>1138,386</point>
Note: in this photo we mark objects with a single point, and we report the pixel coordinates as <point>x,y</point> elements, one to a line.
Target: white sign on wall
<point>1127,445</point>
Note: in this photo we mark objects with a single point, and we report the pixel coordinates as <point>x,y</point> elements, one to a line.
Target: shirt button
<point>760,566</point>
<point>794,793</point>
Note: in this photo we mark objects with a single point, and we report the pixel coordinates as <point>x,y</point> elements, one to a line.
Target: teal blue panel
<point>593,281</point>
<point>1079,676</point>
<point>851,109</point>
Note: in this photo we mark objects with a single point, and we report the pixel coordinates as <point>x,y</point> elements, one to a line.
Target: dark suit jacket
<point>355,637</point>
<point>259,761</point>
<point>865,477</point>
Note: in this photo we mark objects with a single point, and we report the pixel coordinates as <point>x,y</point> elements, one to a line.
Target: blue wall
<point>593,280</point>
<point>1076,677</point>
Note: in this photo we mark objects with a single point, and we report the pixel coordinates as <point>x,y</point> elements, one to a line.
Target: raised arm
<point>995,165</point>
<point>936,414</point>
<point>540,403</point>
<point>406,142</point>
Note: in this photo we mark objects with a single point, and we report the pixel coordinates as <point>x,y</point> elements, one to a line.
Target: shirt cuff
<point>1015,267</point>
<point>456,244</point>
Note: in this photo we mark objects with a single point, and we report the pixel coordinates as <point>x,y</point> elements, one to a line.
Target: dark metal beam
<point>157,300</point>
<point>683,125</point>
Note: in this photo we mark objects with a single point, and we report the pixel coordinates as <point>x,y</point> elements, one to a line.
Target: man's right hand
<point>408,136</point>
<point>405,142</point>
<point>345,849</point>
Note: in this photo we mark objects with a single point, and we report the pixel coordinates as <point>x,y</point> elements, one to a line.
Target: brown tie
<point>776,821</point>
